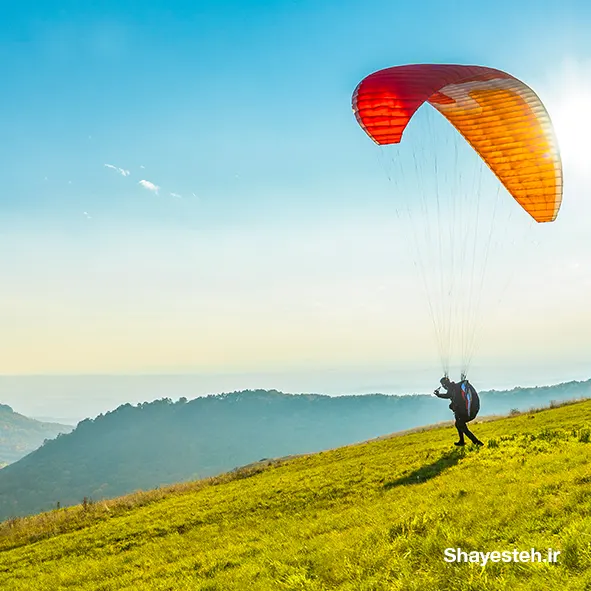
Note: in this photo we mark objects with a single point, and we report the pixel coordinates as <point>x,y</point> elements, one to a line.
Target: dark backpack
<point>469,402</point>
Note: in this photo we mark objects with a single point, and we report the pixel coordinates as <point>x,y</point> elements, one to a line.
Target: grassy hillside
<point>20,435</point>
<point>375,516</point>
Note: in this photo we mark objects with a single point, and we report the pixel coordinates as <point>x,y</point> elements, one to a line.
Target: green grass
<point>375,516</point>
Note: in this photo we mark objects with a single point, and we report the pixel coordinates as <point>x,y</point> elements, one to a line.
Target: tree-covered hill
<point>20,435</point>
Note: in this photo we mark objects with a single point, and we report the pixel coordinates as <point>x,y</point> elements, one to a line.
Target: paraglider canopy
<point>456,226</point>
<point>498,115</point>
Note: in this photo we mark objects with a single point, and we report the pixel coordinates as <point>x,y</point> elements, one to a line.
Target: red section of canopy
<point>385,101</point>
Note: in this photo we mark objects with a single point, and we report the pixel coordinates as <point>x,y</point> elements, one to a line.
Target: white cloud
<point>150,186</point>
<point>176,195</point>
<point>121,171</point>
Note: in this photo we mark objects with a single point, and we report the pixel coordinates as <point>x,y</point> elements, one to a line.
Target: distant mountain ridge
<point>20,435</point>
<point>162,442</point>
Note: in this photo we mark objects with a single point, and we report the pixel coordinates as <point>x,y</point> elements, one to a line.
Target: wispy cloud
<point>121,171</point>
<point>150,186</point>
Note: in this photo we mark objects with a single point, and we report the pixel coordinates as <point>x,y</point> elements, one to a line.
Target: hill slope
<point>376,516</point>
<point>164,442</point>
<point>20,435</point>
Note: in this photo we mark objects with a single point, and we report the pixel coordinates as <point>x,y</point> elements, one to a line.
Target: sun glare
<point>571,117</point>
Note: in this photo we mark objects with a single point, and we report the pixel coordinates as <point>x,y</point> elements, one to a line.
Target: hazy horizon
<point>71,398</point>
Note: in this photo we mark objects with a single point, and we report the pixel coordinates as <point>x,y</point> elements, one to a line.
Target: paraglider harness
<point>469,403</point>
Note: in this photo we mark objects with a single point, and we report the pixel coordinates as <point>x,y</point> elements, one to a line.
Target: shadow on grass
<point>424,473</point>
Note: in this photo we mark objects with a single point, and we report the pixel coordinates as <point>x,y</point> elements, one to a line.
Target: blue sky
<point>268,245</point>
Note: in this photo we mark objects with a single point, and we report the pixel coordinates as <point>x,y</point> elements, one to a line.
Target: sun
<point>571,118</point>
<point>572,125</point>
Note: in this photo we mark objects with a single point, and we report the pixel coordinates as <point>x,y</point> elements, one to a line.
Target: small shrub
<point>549,435</point>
